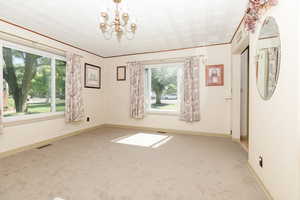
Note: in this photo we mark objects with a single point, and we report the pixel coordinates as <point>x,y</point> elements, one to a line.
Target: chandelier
<point>120,25</point>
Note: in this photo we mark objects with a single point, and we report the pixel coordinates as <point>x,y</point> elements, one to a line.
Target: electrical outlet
<point>88,119</point>
<point>261,161</point>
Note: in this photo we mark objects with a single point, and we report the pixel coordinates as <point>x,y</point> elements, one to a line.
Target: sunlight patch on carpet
<point>144,140</point>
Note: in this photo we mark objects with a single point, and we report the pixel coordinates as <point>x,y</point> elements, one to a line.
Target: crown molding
<point>178,49</point>
<point>121,55</point>
<point>48,37</point>
<point>237,29</point>
<point>168,50</point>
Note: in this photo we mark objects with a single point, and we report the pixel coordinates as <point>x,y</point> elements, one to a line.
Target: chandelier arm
<point>110,25</point>
<point>128,30</point>
<point>129,35</point>
<point>108,34</point>
<point>123,24</point>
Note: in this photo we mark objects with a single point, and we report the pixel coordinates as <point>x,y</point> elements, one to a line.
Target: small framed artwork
<point>121,73</point>
<point>92,76</point>
<point>214,75</point>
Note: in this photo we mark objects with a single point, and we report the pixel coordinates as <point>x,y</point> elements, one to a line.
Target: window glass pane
<point>60,85</point>
<point>164,88</point>
<point>27,83</point>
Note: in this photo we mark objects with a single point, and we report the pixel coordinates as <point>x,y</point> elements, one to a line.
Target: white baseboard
<point>45,142</point>
<point>175,131</point>
<point>260,182</point>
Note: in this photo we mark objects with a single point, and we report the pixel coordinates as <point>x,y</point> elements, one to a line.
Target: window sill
<point>27,119</point>
<point>170,113</point>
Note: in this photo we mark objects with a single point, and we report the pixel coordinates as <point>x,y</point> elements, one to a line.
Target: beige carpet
<point>92,167</point>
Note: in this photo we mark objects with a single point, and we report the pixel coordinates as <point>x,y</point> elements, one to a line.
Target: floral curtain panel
<point>137,98</point>
<point>74,110</point>
<point>1,93</point>
<point>190,100</point>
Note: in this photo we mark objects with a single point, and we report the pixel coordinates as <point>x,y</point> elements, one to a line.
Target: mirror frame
<point>279,58</point>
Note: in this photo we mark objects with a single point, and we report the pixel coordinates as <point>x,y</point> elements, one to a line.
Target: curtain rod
<point>30,43</point>
<point>168,60</point>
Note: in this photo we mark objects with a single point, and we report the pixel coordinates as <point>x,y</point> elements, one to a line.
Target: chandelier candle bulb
<point>104,15</point>
<point>133,27</point>
<point>103,26</point>
<point>125,17</point>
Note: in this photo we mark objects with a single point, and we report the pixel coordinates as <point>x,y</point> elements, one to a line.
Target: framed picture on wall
<point>121,73</point>
<point>214,75</point>
<point>92,76</point>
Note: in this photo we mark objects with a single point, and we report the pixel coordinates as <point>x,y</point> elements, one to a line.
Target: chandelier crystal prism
<point>121,25</point>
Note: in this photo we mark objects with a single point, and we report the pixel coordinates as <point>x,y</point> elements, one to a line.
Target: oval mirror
<point>268,58</point>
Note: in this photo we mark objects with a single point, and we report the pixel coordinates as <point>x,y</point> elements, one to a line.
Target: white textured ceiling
<point>162,24</point>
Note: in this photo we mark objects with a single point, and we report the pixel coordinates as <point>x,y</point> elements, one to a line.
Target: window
<point>60,84</point>
<point>162,87</point>
<point>33,81</point>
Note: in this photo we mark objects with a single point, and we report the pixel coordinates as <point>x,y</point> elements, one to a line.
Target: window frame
<point>148,108</point>
<point>53,57</point>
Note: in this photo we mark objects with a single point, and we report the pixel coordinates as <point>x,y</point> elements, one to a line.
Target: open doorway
<point>244,111</point>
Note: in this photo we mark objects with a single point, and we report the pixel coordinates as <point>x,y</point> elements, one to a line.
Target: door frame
<point>248,90</point>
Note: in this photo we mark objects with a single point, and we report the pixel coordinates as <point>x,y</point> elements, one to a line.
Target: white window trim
<point>150,110</point>
<point>31,117</point>
<point>30,50</point>
<point>162,112</point>
<point>28,118</point>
